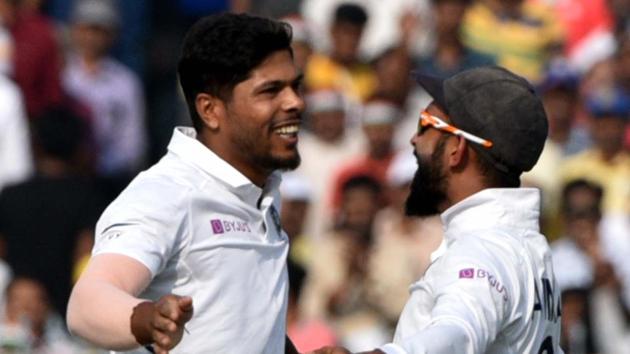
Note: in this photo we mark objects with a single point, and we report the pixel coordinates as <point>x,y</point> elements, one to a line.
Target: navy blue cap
<point>609,103</point>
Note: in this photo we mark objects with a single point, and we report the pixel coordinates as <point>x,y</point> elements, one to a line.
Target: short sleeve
<point>147,222</point>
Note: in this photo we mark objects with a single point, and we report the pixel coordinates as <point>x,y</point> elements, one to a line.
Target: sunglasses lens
<point>423,125</point>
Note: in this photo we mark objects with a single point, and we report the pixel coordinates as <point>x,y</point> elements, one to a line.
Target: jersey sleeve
<point>472,301</point>
<point>147,222</point>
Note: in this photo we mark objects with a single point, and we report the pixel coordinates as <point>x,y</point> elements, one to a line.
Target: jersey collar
<point>185,145</point>
<point>494,208</point>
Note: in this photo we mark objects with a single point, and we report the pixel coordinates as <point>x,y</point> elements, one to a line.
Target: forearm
<point>100,313</point>
<point>442,338</point>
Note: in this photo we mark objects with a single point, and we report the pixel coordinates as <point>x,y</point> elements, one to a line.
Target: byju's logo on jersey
<point>224,226</point>
<point>467,273</point>
<point>217,226</point>
<point>472,273</point>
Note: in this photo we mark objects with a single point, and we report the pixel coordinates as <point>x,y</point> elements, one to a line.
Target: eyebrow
<point>280,83</point>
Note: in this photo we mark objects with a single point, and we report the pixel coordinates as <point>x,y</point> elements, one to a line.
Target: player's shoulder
<point>492,252</point>
<point>151,194</point>
<point>467,254</point>
<point>488,245</point>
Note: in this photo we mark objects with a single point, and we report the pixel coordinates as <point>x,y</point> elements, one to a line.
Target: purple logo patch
<point>217,226</point>
<point>467,273</point>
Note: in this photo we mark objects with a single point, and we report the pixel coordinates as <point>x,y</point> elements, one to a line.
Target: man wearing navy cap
<point>490,287</point>
<point>606,163</point>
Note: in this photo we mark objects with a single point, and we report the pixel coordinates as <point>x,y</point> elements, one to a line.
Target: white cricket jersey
<point>204,230</point>
<point>490,287</point>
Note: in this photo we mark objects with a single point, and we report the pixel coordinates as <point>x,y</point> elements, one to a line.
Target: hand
<point>162,322</point>
<point>341,350</point>
<point>331,350</point>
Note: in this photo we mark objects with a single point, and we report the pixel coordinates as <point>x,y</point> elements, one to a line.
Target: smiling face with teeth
<point>256,129</point>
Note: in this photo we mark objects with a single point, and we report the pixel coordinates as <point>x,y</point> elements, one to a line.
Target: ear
<point>210,109</point>
<point>457,152</point>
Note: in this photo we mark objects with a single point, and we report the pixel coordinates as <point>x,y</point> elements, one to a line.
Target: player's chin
<point>287,160</point>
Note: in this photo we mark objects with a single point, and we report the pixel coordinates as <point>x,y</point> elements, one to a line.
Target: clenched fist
<point>161,323</point>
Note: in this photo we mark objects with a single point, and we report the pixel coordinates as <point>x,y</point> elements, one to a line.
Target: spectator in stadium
<point>306,334</point>
<point>329,141</point>
<point>47,221</point>
<point>16,162</point>
<point>620,9</point>
<point>378,119</point>
<point>29,324</point>
<point>523,36</point>
<point>622,71</point>
<point>37,56</point>
<point>578,252</point>
<point>392,68</point>
<point>337,283</point>
<point>567,136</point>
<point>342,68</point>
<point>622,62</point>
<point>191,257</point>
<point>449,56</point>
<point>402,244</point>
<point>301,43</point>
<point>112,92</point>
<point>589,31</point>
<point>296,193</point>
<point>607,163</point>
<point>585,273</point>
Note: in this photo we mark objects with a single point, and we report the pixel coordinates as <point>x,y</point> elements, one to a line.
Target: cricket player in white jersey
<point>491,286</point>
<point>191,258</point>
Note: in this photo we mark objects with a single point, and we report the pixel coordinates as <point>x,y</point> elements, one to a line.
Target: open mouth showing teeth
<point>288,130</point>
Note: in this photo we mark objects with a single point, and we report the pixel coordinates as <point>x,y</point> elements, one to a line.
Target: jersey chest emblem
<point>223,226</point>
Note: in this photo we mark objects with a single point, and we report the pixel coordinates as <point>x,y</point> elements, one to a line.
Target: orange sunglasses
<point>427,120</point>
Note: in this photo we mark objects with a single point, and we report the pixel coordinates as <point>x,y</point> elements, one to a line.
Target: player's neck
<point>236,158</point>
<point>462,186</point>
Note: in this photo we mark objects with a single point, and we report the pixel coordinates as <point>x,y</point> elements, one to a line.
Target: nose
<point>293,101</point>
<point>413,140</point>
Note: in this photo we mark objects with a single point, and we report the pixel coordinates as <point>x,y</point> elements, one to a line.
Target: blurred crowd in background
<point>89,97</point>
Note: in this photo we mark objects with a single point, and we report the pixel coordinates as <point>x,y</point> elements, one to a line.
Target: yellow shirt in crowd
<point>522,45</point>
<point>613,176</point>
<point>358,82</point>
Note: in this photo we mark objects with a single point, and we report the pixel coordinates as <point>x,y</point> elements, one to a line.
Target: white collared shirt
<point>115,98</point>
<point>491,287</point>
<point>204,230</point>
<point>16,163</point>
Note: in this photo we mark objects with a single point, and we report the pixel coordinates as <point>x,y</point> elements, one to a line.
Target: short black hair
<point>361,181</point>
<point>351,13</point>
<point>59,132</point>
<point>594,210</point>
<point>220,51</point>
<point>493,177</point>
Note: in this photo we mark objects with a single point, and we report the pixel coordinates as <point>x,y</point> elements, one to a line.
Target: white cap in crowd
<point>300,29</point>
<point>402,168</point>
<point>325,100</point>
<point>101,13</point>
<point>379,112</point>
<point>295,187</point>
